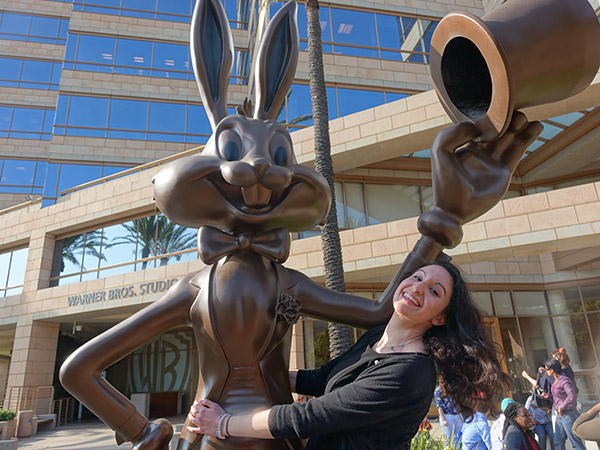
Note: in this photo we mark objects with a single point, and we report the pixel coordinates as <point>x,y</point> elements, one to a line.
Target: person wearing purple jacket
<point>564,396</point>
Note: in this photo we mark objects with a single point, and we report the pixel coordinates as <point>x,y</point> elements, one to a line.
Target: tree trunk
<point>339,335</point>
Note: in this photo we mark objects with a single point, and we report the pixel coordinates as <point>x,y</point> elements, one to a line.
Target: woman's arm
<point>442,416</point>
<point>529,378</point>
<point>293,375</point>
<point>206,415</point>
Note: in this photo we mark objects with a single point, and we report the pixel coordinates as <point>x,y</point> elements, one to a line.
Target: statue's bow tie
<point>213,244</point>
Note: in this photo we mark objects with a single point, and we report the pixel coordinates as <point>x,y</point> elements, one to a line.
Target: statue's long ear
<point>276,62</point>
<point>211,45</point>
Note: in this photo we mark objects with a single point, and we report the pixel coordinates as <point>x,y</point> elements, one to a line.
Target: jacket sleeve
<point>486,436</point>
<point>587,427</point>
<point>376,395</point>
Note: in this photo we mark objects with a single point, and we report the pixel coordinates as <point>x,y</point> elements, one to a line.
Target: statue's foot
<point>156,437</point>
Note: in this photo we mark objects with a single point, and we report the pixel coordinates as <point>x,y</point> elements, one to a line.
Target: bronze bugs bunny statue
<point>246,192</point>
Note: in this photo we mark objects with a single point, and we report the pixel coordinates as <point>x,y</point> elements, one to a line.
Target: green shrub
<point>7,414</point>
<point>424,441</point>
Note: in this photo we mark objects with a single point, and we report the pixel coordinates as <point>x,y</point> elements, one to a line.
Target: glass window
<point>550,131</point>
<point>594,319</point>
<point>72,175</point>
<point>146,246</point>
<point>172,60</point>
<point>389,202</point>
<point>18,172</point>
<point>299,106</point>
<point>178,7</point>
<point>530,303</point>
<point>538,340</point>
<point>172,238</point>
<point>44,26</point>
<point>197,121</point>
<point>316,343</point>
<point>515,357</point>
<point>166,118</point>
<point>355,205</point>
<point>572,334</point>
<point>136,55</point>
<point>16,271</point>
<point>483,300</point>
<point>564,300</point>
<point>4,266</point>
<point>591,297</point>
<point>119,244</point>
<point>339,204</point>
<point>5,118</point>
<point>128,115</point>
<point>503,303</point>
<point>70,250</point>
<point>36,71</point>
<point>427,196</point>
<point>16,24</point>
<point>354,100</point>
<point>96,49</point>
<point>10,69</point>
<point>88,112</point>
<point>353,27</point>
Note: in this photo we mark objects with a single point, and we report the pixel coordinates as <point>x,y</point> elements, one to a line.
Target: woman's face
<point>524,419</point>
<point>550,372</point>
<point>423,297</point>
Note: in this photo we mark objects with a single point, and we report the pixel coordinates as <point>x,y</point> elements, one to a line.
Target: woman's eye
<point>280,157</point>
<point>231,151</point>
<point>435,292</point>
<point>417,277</point>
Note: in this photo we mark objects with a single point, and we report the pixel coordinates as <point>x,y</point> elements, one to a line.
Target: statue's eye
<point>231,151</point>
<point>280,157</point>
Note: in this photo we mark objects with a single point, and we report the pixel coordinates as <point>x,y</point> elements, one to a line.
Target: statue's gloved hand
<point>156,436</point>
<point>469,178</point>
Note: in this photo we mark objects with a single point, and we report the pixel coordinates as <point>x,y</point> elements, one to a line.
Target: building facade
<point>97,95</point>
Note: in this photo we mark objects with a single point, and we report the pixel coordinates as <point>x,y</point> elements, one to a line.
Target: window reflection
<point>29,73</point>
<point>12,271</point>
<point>168,10</point>
<point>131,119</point>
<point>139,57</point>
<point>26,123</point>
<point>368,34</point>
<point>126,247</point>
<point>32,28</point>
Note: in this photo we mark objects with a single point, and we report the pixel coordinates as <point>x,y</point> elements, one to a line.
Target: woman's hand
<point>205,416</point>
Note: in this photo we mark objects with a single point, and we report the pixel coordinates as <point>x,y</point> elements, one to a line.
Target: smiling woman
<point>370,397</point>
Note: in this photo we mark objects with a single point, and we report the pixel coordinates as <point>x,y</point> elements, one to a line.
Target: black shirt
<point>366,400</point>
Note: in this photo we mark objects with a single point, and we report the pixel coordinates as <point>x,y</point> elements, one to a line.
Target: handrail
<point>20,205</point>
<point>135,169</point>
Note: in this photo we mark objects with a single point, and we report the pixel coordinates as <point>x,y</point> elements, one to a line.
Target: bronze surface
<point>523,53</point>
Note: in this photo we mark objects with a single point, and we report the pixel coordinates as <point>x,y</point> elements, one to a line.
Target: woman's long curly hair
<point>465,357</point>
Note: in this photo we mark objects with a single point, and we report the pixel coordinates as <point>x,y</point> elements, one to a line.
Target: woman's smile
<point>411,299</point>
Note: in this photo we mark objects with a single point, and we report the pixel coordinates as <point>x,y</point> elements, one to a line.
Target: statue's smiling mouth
<point>255,199</point>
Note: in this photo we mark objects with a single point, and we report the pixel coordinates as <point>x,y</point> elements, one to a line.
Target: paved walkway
<point>90,435</point>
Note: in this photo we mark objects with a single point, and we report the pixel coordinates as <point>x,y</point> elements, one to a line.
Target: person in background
<point>543,428</point>
<point>476,430</point>
<point>587,425</point>
<point>560,354</point>
<point>564,396</point>
<point>450,418</point>
<point>496,432</point>
<point>517,429</point>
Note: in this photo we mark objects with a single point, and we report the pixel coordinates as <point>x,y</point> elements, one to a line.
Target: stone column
<point>34,354</point>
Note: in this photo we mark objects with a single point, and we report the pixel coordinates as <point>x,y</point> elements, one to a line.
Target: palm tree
<point>339,336</point>
<point>156,235</point>
<point>74,248</point>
